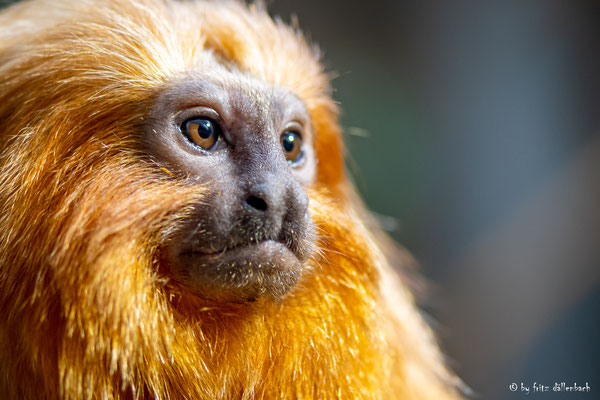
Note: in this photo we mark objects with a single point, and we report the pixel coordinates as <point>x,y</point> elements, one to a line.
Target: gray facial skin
<point>252,233</point>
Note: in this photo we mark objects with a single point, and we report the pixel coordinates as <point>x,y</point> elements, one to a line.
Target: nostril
<point>257,203</point>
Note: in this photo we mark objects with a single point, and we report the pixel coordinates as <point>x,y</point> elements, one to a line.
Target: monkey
<point>175,217</point>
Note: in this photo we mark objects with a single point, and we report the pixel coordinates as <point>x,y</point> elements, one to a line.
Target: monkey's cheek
<point>265,269</point>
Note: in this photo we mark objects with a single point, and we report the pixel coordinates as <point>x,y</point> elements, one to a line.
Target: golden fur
<point>85,310</point>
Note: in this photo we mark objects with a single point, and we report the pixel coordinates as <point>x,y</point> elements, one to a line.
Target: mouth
<point>245,271</point>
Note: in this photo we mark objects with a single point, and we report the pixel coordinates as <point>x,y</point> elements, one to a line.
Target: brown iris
<point>202,132</point>
<point>291,142</point>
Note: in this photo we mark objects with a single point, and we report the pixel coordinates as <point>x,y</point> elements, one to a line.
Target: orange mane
<point>84,308</point>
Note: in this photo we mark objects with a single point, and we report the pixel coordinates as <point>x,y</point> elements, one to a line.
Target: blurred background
<point>473,130</point>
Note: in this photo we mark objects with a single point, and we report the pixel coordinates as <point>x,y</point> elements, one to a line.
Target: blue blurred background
<point>473,129</point>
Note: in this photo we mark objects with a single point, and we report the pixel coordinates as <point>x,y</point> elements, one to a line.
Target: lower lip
<point>267,252</point>
<point>266,268</point>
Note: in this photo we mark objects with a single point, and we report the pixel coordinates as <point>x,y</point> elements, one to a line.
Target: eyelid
<point>295,126</point>
<point>199,112</point>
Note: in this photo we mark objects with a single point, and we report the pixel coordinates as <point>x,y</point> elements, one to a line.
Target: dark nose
<point>274,197</point>
<point>266,196</point>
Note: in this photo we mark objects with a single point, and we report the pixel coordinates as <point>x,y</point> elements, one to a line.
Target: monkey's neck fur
<point>85,311</point>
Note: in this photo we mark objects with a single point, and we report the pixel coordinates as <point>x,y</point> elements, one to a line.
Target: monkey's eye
<point>291,142</point>
<point>202,132</point>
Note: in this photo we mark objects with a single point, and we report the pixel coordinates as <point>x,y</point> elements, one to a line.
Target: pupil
<point>205,128</point>
<point>288,142</point>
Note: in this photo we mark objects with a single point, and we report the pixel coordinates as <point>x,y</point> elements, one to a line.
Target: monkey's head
<point>248,145</point>
<point>207,126</point>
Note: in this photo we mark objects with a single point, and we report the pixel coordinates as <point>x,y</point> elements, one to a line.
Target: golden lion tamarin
<point>175,218</point>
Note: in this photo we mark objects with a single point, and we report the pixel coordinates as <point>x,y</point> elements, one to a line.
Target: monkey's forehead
<point>217,81</point>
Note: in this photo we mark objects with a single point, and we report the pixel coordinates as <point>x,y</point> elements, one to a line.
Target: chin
<point>242,273</point>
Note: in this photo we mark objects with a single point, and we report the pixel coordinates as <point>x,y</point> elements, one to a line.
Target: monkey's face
<point>248,147</point>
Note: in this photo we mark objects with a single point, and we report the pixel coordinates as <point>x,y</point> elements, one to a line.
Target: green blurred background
<point>472,129</point>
